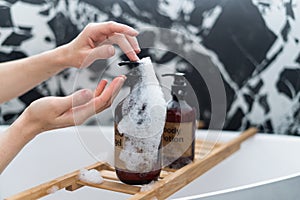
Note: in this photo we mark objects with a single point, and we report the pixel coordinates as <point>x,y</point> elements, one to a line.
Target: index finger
<point>109,28</point>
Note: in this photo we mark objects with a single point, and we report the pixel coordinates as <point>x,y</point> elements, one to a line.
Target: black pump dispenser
<point>129,63</point>
<point>134,75</point>
<point>179,85</point>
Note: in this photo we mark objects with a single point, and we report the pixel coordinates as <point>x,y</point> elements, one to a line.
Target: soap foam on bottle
<point>144,114</point>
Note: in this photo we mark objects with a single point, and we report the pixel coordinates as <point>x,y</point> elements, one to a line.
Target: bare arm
<point>13,140</point>
<point>94,42</point>
<point>17,77</point>
<point>58,112</point>
<point>21,75</point>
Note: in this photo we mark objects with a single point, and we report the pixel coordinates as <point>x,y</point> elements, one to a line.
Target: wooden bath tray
<point>169,182</point>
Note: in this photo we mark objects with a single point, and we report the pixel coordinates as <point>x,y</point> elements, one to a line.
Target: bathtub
<point>262,159</point>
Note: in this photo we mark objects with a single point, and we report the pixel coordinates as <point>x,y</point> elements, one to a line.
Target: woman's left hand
<point>57,112</point>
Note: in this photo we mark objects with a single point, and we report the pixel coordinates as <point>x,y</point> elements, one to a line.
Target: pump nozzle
<point>129,63</point>
<point>178,78</point>
<point>179,84</point>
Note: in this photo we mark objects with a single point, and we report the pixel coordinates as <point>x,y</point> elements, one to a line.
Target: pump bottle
<point>178,140</point>
<point>137,176</point>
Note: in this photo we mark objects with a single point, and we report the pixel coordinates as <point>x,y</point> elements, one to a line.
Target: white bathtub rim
<point>239,188</point>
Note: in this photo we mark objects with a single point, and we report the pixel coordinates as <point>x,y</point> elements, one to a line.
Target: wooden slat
<point>165,172</point>
<point>58,183</point>
<point>107,174</point>
<point>114,186</point>
<point>170,180</point>
<point>200,124</point>
<point>170,184</point>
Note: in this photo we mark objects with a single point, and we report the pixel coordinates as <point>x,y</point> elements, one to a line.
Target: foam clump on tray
<point>144,113</point>
<point>148,187</point>
<point>53,189</point>
<point>90,176</point>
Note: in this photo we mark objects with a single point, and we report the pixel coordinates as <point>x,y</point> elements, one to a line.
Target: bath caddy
<point>169,182</point>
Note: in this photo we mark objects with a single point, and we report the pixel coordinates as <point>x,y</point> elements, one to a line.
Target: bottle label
<point>119,145</point>
<point>139,155</point>
<point>177,140</point>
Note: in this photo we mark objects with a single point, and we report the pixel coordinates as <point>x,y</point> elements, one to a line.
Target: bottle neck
<point>179,92</point>
<point>177,97</point>
<point>133,80</point>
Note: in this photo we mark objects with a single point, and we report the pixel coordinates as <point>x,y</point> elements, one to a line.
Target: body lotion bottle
<point>178,139</point>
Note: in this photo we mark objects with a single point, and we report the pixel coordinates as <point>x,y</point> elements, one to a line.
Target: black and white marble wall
<point>253,43</point>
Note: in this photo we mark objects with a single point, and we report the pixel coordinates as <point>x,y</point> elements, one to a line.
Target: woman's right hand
<point>96,42</point>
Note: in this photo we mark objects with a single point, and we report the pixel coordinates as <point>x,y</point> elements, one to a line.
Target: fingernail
<point>111,50</point>
<point>124,77</point>
<point>135,31</point>
<point>136,58</point>
<point>138,50</point>
<point>120,82</point>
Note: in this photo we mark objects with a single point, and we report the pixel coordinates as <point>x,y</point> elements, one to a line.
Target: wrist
<point>61,58</point>
<point>25,128</point>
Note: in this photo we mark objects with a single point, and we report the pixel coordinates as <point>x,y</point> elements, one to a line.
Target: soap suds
<point>148,187</point>
<point>144,113</point>
<point>144,110</point>
<point>53,189</point>
<point>90,176</point>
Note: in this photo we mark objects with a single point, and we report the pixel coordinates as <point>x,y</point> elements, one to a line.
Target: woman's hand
<point>57,112</point>
<point>96,42</point>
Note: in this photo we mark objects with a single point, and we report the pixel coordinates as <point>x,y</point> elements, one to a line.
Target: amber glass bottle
<point>133,164</point>
<point>178,139</point>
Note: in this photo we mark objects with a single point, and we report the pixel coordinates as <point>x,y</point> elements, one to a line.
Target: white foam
<point>144,113</point>
<point>53,189</point>
<point>147,187</point>
<point>140,155</point>
<point>147,96</point>
<point>90,176</point>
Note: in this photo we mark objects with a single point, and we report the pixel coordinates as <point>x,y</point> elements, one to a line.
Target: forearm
<point>14,139</point>
<point>19,76</point>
